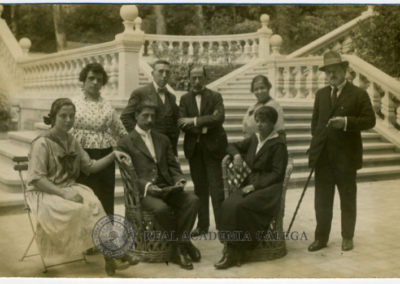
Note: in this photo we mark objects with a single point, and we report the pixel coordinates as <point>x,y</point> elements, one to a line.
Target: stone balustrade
<point>295,79</point>
<point>384,91</point>
<point>208,49</point>
<point>57,74</point>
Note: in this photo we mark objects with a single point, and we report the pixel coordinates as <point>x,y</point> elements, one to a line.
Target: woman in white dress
<point>66,211</point>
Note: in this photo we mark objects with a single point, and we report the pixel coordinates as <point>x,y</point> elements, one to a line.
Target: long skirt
<point>244,216</point>
<point>64,227</point>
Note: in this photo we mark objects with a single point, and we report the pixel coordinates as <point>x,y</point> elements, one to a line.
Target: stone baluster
<point>247,49</point>
<point>388,109</point>
<point>308,81</point>
<point>321,79</point>
<point>255,49</point>
<point>376,98</point>
<point>190,51</point>
<point>286,81</point>
<point>279,82</point>
<point>222,59</point>
<point>264,34</point>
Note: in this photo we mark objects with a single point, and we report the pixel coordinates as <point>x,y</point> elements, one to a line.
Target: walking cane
<point>301,199</point>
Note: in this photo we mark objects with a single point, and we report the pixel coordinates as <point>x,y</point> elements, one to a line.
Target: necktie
<point>334,96</point>
<point>162,90</point>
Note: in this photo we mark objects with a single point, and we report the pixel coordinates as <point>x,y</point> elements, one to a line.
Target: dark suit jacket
<point>344,147</point>
<point>147,169</point>
<point>212,116</point>
<point>268,166</point>
<point>150,93</point>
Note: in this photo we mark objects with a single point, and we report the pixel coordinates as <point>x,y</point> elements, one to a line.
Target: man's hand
<point>186,121</point>
<point>181,183</point>
<point>71,195</point>
<point>336,122</point>
<point>237,161</point>
<point>154,190</point>
<point>247,189</point>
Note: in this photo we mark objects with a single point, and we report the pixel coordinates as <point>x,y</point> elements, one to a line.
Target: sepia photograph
<point>199,140</point>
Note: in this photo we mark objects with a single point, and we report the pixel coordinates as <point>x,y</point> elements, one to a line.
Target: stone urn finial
<point>25,44</point>
<point>276,43</point>
<point>128,14</point>
<point>264,19</point>
<point>138,25</point>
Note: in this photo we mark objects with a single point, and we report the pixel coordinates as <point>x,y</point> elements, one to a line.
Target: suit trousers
<point>206,173</point>
<point>176,213</point>
<point>326,177</point>
<point>102,183</point>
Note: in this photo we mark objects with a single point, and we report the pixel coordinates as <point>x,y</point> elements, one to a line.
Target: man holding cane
<point>341,111</point>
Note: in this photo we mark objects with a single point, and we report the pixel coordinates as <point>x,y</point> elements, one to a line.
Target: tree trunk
<point>59,29</point>
<point>14,19</point>
<point>160,19</point>
<point>200,18</point>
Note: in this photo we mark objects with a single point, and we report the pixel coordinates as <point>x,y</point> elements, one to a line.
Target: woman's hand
<point>237,161</point>
<point>121,156</point>
<point>71,195</point>
<point>247,189</point>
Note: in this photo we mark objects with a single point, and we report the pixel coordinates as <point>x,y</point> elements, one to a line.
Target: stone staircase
<point>381,158</point>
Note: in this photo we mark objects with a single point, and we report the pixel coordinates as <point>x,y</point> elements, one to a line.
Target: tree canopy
<point>377,40</point>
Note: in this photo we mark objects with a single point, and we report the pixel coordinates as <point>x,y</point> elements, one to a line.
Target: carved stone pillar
<point>129,44</point>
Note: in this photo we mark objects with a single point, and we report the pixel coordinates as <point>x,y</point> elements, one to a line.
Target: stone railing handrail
<point>373,74</point>
<point>9,40</point>
<point>76,53</point>
<point>201,38</point>
<point>332,36</point>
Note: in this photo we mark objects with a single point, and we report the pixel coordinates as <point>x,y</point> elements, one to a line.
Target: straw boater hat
<point>333,58</point>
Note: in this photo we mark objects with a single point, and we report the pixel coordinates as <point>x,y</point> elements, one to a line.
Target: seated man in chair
<point>156,169</point>
<point>249,210</point>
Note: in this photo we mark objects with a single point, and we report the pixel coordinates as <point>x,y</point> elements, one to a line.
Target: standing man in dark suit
<point>167,109</point>
<point>156,168</point>
<point>202,115</point>
<point>341,111</point>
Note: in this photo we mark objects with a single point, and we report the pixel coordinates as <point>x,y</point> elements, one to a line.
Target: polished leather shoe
<point>113,264</point>
<point>130,258</point>
<point>199,231</point>
<point>231,259</point>
<point>182,258</point>
<point>316,245</point>
<point>347,244</point>
<point>193,252</point>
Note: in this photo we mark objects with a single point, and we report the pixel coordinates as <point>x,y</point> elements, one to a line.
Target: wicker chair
<point>146,247</point>
<point>273,245</point>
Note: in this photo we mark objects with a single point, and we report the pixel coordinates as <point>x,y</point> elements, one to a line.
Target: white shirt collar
<point>272,135</point>
<point>340,87</point>
<point>141,131</point>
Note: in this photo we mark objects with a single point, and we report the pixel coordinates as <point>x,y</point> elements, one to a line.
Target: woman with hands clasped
<point>66,211</point>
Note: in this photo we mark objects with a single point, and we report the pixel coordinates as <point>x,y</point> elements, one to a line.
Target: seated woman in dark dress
<point>251,208</point>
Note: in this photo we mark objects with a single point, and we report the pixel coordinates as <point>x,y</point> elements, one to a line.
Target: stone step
<point>369,160</point>
<point>367,174</point>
